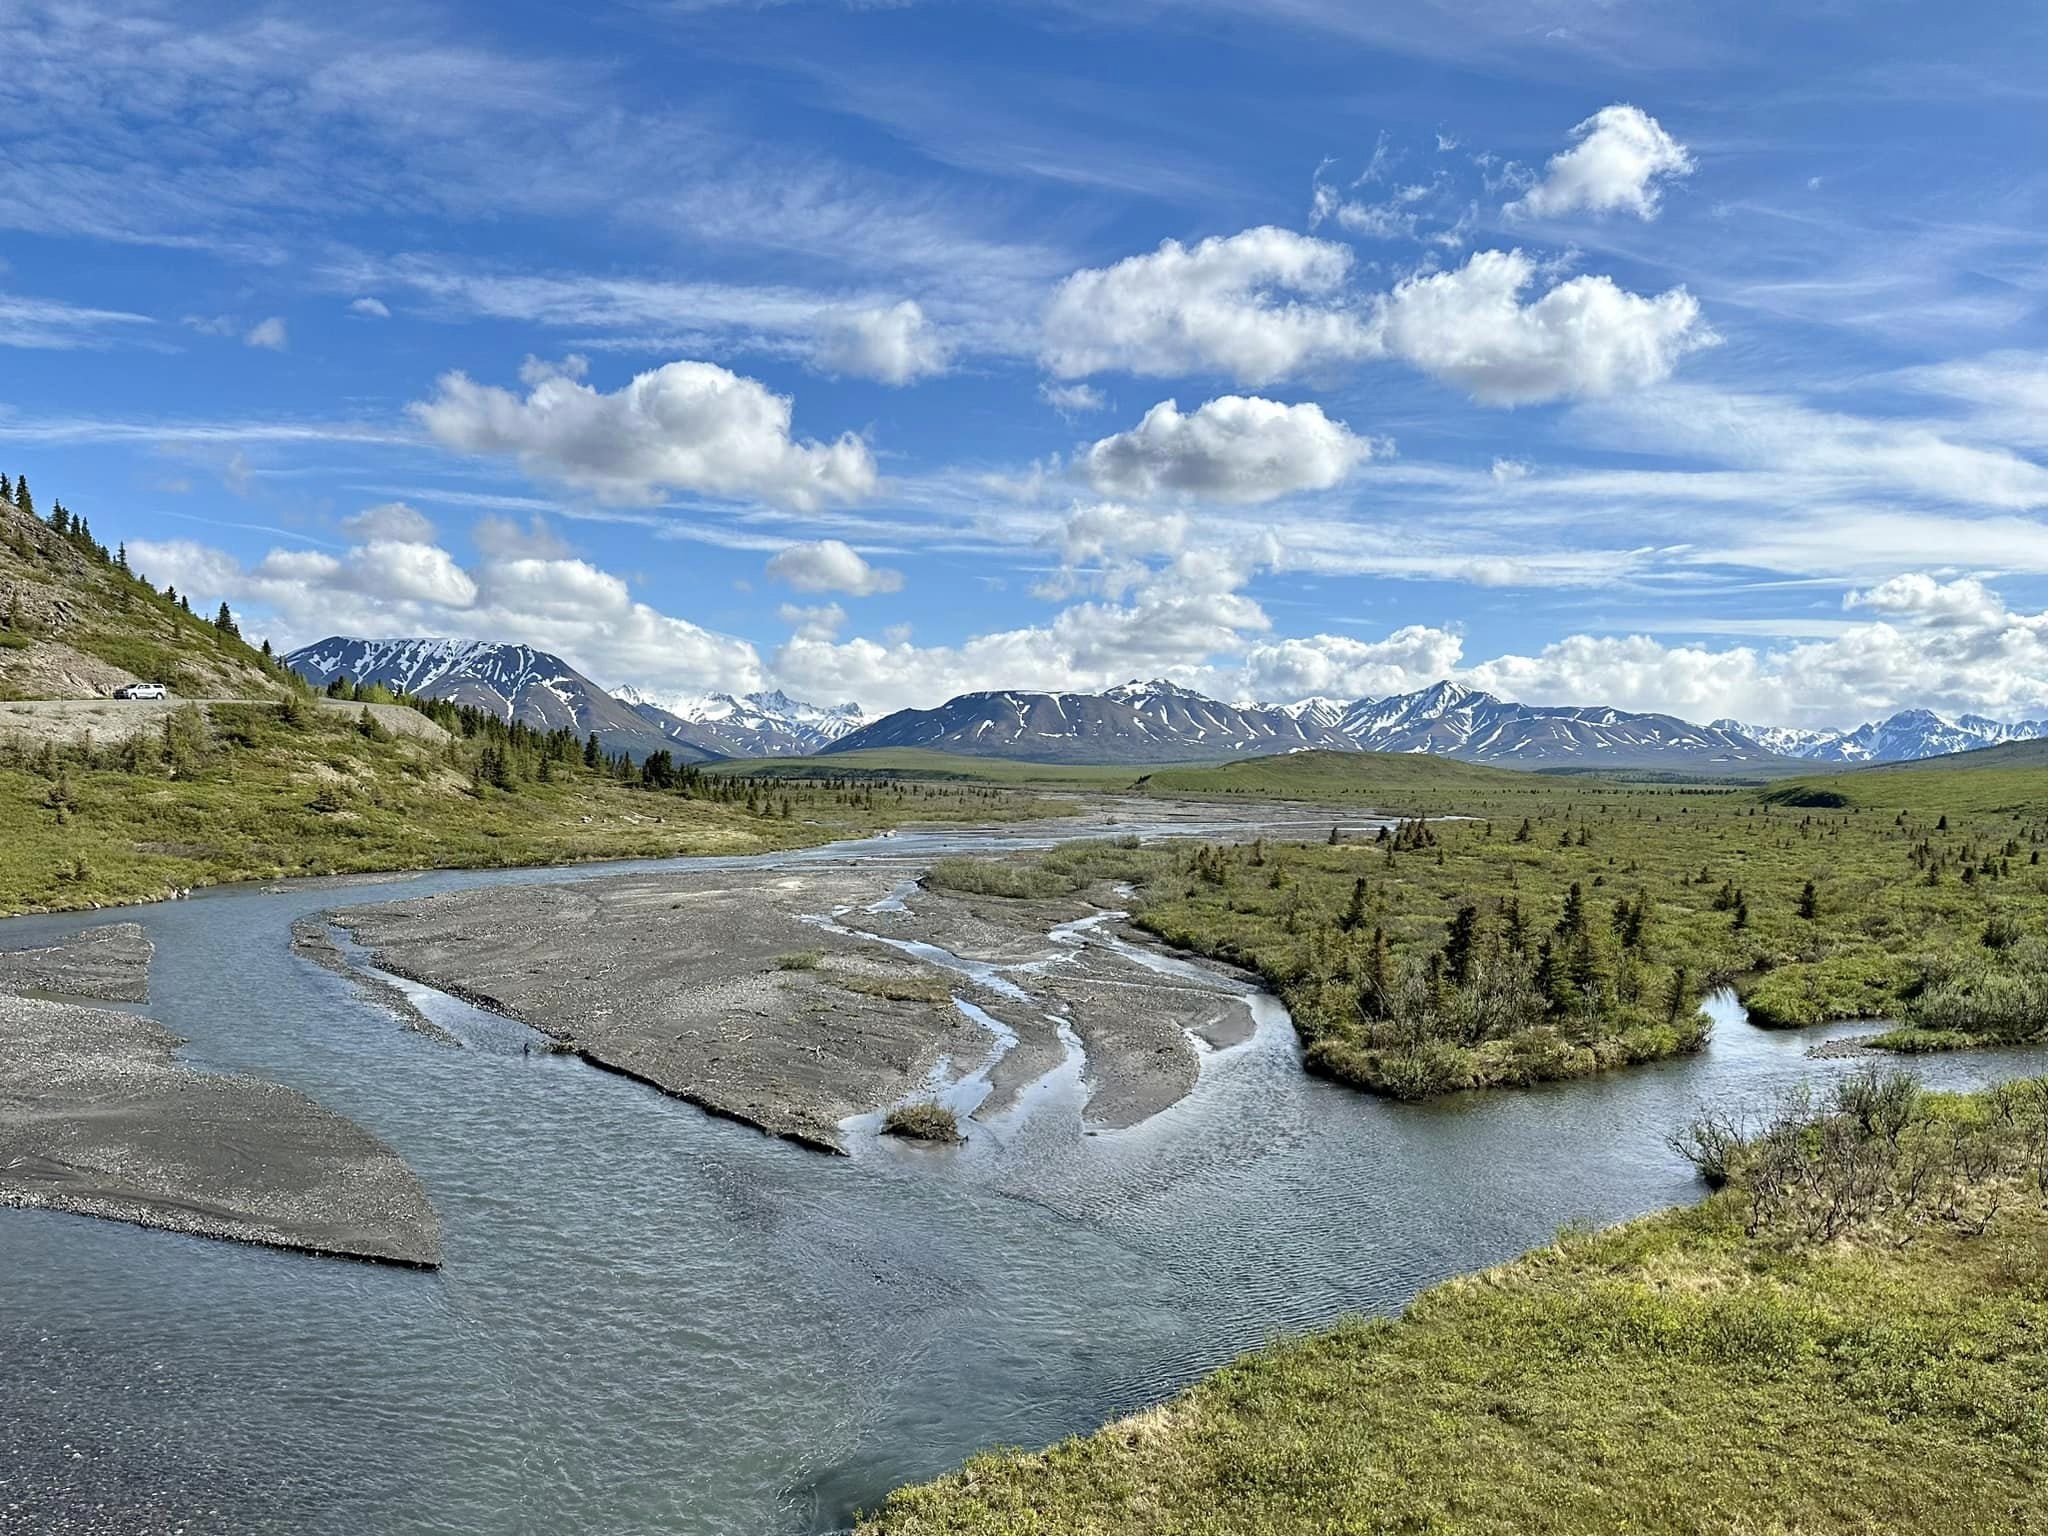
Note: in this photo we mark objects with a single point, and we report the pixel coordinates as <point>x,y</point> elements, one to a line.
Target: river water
<point>650,1320</point>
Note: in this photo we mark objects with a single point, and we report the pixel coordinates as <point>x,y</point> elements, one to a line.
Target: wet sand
<point>98,1118</point>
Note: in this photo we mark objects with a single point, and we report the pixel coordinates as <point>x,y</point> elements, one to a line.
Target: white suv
<point>142,691</point>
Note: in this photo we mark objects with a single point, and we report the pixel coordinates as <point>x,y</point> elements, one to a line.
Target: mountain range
<point>1160,722</point>
<point>1138,722</point>
<point>750,725</point>
<point>1907,736</point>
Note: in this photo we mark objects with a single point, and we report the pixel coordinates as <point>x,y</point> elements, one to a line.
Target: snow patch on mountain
<point>1905,737</point>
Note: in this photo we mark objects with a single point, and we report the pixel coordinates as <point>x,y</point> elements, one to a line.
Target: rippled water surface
<point>651,1320</point>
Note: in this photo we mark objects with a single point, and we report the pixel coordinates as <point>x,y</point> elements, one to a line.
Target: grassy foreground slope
<point>1851,1336</point>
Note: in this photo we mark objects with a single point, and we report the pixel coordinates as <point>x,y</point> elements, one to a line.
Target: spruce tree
<point>1354,915</point>
<point>23,502</point>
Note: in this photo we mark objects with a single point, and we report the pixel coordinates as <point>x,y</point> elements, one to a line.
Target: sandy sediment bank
<point>713,987</point>
<point>795,999</point>
<point>98,1118</point>
<point>109,964</point>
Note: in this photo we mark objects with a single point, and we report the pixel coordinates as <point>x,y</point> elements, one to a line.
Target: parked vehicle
<point>142,691</point>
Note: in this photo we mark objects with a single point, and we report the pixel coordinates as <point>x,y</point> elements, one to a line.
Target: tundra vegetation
<point>1849,1334</point>
<point>1557,927</point>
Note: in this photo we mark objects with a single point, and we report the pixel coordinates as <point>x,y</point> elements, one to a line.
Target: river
<point>650,1320</point>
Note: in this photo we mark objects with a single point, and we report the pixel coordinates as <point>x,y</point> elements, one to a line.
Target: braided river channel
<point>652,1320</point>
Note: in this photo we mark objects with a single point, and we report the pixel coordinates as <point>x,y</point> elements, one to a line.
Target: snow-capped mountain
<point>1317,711</point>
<point>514,682</point>
<point>1153,722</point>
<point>1159,722</point>
<point>1454,721</point>
<point>754,725</point>
<point>1905,737</point>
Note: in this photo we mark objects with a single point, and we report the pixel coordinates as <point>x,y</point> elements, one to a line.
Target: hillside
<point>513,682</point>
<point>75,625</point>
<point>1987,780</point>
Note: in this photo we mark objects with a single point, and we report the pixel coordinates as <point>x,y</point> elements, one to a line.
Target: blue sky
<point>1662,355</point>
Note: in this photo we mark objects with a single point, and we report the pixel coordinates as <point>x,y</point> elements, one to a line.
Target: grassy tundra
<point>1559,926</point>
<point>1850,1335</point>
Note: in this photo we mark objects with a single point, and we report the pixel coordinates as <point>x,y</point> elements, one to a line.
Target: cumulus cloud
<point>821,621</point>
<point>895,344</point>
<point>1344,667</point>
<point>1953,646</point>
<point>1235,448</point>
<point>1107,528</point>
<point>1965,601</point>
<point>828,565</point>
<point>519,591</point>
<point>684,426</point>
<point>1260,306</point>
<point>267,334</point>
<point>1620,160</point>
<point>1585,336</point>
<point>392,520</point>
<point>1176,620</point>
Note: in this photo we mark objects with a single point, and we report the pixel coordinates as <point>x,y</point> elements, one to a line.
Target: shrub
<point>924,1121</point>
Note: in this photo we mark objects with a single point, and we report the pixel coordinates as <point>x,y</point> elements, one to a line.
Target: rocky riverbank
<point>98,1118</point>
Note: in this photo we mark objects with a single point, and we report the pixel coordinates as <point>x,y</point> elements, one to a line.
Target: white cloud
<point>1950,646</point>
<point>1072,399</point>
<point>829,565</point>
<point>1107,528</point>
<point>1915,596</point>
<point>1235,448</point>
<point>1260,306</point>
<point>268,335</point>
<point>392,520</point>
<point>895,344</point>
<point>371,308</point>
<point>1620,160</point>
<point>50,325</point>
<point>397,587</point>
<point>503,538</point>
<point>1179,618</point>
<point>1584,336</point>
<point>684,426</point>
<point>822,621</point>
<point>1343,667</point>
